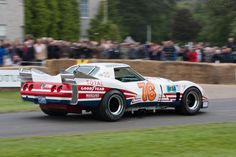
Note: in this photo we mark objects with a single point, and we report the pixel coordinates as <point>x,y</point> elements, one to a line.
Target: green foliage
<point>211,140</point>
<point>220,23</point>
<point>55,18</point>
<point>39,18</point>
<point>107,31</point>
<point>12,102</point>
<point>28,16</point>
<point>185,28</point>
<point>69,28</point>
<point>133,17</point>
<point>53,29</point>
<point>100,29</point>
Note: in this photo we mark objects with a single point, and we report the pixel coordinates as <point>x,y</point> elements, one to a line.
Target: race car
<point>108,90</point>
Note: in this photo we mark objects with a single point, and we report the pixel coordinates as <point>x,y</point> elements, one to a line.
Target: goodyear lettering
<point>92,88</point>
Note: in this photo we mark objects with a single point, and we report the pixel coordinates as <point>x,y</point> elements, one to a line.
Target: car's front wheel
<point>191,101</point>
<point>112,106</point>
<point>52,112</point>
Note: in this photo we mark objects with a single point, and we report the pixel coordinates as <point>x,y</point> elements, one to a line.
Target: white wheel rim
<point>115,105</point>
<point>193,100</point>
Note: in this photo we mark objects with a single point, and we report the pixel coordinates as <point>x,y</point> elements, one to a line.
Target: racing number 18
<point>148,91</point>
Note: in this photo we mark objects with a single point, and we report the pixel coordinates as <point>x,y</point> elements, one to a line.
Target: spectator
<point>199,50</point>
<point>234,57</point>
<point>226,56</point>
<point>113,52</point>
<point>53,49</point>
<point>208,53</point>
<point>84,51</point>
<point>155,52</point>
<point>133,51</point>
<point>183,53</point>
<point>2,53</point>
<point>216,58</point>
<point>231,44</point>
<point>142,52</point>
<point>192,55</point>
<point>40,50</point>
<point>28,53</point>
<point>169,51</point>
<point>124,49</point>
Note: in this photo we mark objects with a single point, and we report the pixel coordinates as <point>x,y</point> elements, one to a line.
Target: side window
<point>88,70</point>
<point>71,69</point>
<point>127,75</point>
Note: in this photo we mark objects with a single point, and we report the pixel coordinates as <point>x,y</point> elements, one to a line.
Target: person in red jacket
<point>192,55</point>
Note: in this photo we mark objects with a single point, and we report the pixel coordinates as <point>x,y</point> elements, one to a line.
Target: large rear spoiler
<point>39,76</point>
<point>25,75</point>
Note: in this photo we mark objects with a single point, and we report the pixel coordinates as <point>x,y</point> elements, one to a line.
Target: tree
<point>53,29</point>
<point>220,23</point>
<point>69,20</point>
<point>185,28</point>
<point>40,18</point>
<point>28,16</point>
<point>100,29</point>
<point>132,17</point>
<point>54,18</point>
<point>104,30</point>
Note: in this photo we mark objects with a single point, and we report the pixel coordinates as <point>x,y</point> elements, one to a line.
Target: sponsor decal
<point>92,95</point>
<point>171,88</point>
<point>105,75</point>
<point>94,83</point>
<point>91,88</point>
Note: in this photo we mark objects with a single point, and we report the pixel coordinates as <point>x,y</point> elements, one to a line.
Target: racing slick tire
<point>112,106</point>
<point>54,113</point>
<point>191,102</point>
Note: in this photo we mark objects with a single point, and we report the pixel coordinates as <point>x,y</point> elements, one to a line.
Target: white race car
<point>108,90</point>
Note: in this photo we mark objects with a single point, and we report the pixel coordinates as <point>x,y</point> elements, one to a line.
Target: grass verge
<point>212,140</point>
<point>12,102</point>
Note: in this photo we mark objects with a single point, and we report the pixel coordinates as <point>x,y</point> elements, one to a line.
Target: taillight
<point>53,88</point>
<point>31,87</point>
<point>25,87</point>
<point>59,88</point>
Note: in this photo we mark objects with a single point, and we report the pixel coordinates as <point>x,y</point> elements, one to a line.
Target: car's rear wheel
<point>191,101</point>
<point>53,112</point>
<point>112,106</point>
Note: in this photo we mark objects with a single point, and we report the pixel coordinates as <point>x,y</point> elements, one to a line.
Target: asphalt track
<point>37,124</point>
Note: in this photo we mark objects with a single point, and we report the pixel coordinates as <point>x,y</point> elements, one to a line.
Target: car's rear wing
<point>25,75</point>
<point>39,76</point>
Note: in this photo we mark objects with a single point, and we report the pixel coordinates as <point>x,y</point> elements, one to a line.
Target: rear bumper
<point>48,100</point>
<point>47,93</point>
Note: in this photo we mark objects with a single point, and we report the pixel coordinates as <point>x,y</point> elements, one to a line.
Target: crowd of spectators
<point>35,51</point>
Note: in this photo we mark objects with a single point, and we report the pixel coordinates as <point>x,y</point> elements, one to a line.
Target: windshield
<point>88,70</point>
<point>127,75</point>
